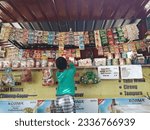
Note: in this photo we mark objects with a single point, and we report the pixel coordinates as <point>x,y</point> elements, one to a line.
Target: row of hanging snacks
<point>9,80</point>
<point>86,37</point>
<point>36,54</point>
<point>97,39</point>
<point>26,36</point>
<point>116,55</point>
<point>107,37</point>
<point>85,62</point>
<point>61,39</point>
<point>76,38</point>
<point>99,62</point>
<point>119,32</point>
<point>104,39</point>
<point>79,40</point>
<point>110,37</point>
<point>119,37</point>
<point>78,53</point>
<point>5,33</point>
<point>125,47</point>
<point>121,61</point>
<point>142,46</point>
<point>29,63</point>
<point>116,48</point>
<point>91,37</point>
<point>69,53</point>
<point>51,38</point>
<point>105,50</point>
<point>104,61</point>
<point>100,51</point>
<point>2,53</point>
<point>131,32</point>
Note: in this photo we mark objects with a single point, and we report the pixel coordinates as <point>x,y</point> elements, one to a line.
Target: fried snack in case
<point>26,75</point>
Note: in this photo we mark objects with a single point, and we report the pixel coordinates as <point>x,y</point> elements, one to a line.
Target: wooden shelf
<point>46,45</point>
<point>17,69</point>
<point>78,67</point>
<point>146,65</point>
<point>41,68</point>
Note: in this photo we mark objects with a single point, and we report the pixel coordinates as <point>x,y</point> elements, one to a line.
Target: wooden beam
<point>7,12</point>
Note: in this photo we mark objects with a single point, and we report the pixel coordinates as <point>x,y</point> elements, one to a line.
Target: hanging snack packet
<point>26,76</point>
<point>7,78</point>
<point>47,77</point>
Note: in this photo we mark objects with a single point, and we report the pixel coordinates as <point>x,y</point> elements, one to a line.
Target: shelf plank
<point>54,68</point>
<point>46,46</point>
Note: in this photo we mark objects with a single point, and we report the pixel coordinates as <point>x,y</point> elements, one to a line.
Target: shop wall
<point>104,89</point>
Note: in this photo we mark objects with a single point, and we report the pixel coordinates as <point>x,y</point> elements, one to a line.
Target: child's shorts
<point>66,103</point>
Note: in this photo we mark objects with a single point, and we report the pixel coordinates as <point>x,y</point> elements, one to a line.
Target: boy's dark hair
<point>61,63</point>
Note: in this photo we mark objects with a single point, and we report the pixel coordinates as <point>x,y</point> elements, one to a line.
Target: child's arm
<point>72,67</point>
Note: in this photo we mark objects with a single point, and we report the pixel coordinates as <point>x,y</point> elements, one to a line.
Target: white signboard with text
<point>131,72</point>
<point>108,72</point>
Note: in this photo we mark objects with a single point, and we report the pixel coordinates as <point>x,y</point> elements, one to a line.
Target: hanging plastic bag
<point>7,78</point>
<point>26,76</point>
<point>47,77</point>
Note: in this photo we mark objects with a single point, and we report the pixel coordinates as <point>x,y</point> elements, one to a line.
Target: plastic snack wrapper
<point>89,77</point>
<point>47,77</point>
<point>26,75</point>
<point>7,78</point>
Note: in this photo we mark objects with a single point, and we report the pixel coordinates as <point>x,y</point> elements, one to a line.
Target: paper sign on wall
<point>131,72</point>
<point>124,105</point>
<point>86,105</point>
<point>108,72</point>
<point>18,106</point>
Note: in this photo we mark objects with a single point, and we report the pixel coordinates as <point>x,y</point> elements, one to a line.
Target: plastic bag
<point>47,77</point>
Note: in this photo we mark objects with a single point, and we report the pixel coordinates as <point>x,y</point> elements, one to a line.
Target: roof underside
<point>80,15</point>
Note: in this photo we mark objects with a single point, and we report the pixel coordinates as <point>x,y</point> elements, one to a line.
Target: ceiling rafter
<point>56,12</point>
<point>7,12</point>
<point>90,8</point>
<point>49,23</point>
<point>123,22</point>
<point>67,26</point>
<point>75,26</point>
<point>93,25</point>
<point>113,23</point>
<point>24,18</point>
<point>16,10</point>
<point>103,25</point>
<point>116,9</point>
<point>84,25</point>
<point>148,12</point>
<point>59,26</point>
<point>21,25</point>
<point>40,8</point>
<point>4,20</point>
<point>79,8</point>
<point>67,11</point>
<point>130,7</point>
<point>104,9</point>
<point>31,26</point>
<point>97,12</point>
<point>33,15</point>
<point>141,9</point>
